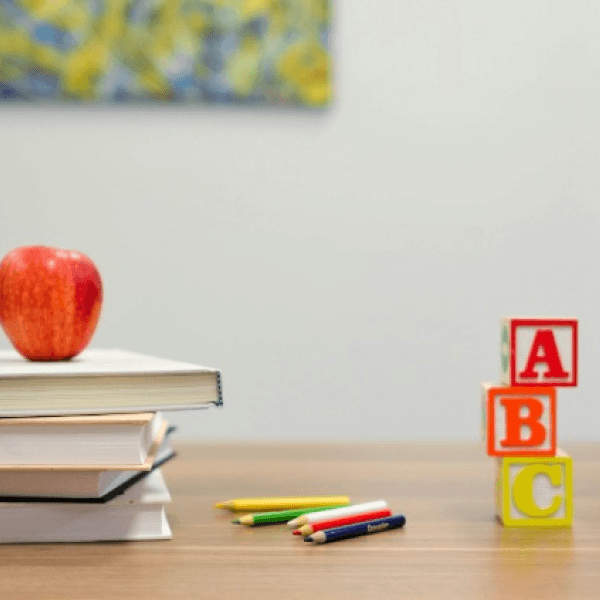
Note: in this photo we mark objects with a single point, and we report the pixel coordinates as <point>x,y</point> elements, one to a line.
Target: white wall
<point>347,270</point>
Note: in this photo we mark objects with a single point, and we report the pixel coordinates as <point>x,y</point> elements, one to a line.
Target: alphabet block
<point>485,386</point>
<point>521,421</point>
<point>539,352</point>
<point>535,492</point>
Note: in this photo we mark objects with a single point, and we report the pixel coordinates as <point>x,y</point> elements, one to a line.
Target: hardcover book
<point>58,450</point>
<point>103,381</point>
<point>138,514</point>
<point>117,439</point>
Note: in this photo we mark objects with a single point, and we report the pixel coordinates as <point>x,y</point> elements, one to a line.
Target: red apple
<point>49,301</point>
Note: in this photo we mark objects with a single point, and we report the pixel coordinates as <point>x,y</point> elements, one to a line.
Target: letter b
<point>521,421</point>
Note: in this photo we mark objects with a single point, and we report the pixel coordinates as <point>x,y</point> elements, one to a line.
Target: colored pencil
<point>356,529</point>
<point>277,503</point>
<point>278,516</point>
<point>334,513</point>
<point>340,521</point>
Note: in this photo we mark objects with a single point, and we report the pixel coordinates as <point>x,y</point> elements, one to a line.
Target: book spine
<point>219,390</point>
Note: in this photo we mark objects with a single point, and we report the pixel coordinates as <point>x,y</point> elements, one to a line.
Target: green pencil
<point>280,516</point>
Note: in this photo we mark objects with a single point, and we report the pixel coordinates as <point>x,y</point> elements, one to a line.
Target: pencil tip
<point>296,532</point>
<point>308,538</point>
<point>236,521</point>
<point>219,505</point>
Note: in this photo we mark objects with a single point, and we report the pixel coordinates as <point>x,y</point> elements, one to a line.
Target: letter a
<point>544,350</point>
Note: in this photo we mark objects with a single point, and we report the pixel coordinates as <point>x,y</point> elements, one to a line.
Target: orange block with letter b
<point>535,492</point>
<point>521,421</point>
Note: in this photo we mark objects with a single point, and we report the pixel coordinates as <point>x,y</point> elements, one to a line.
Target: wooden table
<point>451,547</point>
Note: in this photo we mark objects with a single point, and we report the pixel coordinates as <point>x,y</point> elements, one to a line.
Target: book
<point>138,514</point>
<point>103,381</point>
<point>91,486</point>
<point>119,441</point>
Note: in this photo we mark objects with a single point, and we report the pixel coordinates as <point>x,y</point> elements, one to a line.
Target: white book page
<point>93,362</point>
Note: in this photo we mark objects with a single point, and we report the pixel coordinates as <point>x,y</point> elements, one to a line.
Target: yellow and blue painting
<point>208,51</point>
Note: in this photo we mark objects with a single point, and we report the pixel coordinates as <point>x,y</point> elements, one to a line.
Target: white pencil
<point>332,513</point>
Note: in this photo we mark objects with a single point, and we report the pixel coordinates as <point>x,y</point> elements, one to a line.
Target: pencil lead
<point>296,532</point>
<point>236,521</point>
<point>308,538</point>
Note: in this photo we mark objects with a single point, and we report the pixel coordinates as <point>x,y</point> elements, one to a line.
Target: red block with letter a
<point>539,352</point>
<point>521,421</point>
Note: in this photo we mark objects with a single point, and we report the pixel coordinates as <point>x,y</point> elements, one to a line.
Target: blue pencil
<point>356,529</point>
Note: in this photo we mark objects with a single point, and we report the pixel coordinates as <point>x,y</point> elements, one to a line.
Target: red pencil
<point>340,521</point>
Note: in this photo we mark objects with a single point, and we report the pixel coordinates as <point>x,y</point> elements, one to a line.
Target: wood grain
<point>451,548</point>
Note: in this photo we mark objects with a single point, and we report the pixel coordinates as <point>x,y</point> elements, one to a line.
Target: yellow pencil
<point>258,504</point>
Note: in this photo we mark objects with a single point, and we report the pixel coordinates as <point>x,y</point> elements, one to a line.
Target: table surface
<point>451,547</point>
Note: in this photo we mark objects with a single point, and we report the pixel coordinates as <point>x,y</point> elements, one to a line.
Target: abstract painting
<point>187,51</point>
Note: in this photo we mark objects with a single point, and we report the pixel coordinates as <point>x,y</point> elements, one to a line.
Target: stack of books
<point>82,443</point>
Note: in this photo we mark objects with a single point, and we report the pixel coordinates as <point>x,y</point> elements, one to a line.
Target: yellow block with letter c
<point>535,492</point>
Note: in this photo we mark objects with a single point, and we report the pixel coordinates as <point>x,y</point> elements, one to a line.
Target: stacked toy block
<point>534,478</point>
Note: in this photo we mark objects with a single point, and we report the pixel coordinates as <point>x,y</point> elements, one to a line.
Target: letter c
<point>522,489</point>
